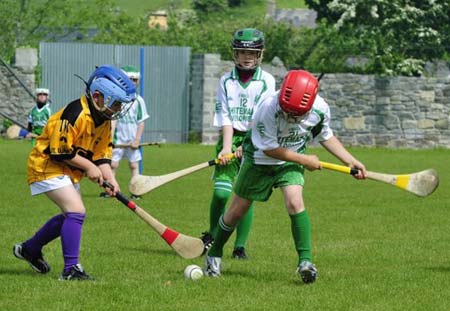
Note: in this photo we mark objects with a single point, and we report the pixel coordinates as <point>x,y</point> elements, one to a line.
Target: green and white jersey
<point>39,117</point>
<point>236,101</point>
<point>126,127</point>
<point>272,129</point>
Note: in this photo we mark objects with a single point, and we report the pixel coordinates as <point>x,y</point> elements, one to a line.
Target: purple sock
<point>70,238</point>
<point>48,232</point>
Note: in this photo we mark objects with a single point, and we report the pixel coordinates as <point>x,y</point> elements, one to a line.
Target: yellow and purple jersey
<point>72,130</point>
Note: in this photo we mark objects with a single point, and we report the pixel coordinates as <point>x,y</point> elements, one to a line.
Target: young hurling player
<point>238,94</point>
<point>275,157</point>
<point>75,142</point>
<point>129,129</point>
<point>40,113</point>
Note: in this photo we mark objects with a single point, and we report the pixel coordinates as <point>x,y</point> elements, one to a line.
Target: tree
<point>26,22</point>
<point>398,36</point>
<point>209,6</point>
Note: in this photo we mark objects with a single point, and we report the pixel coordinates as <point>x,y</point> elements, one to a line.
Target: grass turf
<point>376,247</point>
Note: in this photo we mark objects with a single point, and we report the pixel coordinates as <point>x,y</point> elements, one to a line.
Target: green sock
<point>221,236</point>
<point>301,232</point>
<point>221,194</point>
<point>243,228</point>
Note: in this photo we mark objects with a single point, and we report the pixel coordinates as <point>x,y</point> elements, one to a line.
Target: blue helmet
<point>115,86</point>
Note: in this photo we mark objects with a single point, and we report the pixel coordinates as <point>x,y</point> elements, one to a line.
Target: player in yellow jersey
<point>76,142</point>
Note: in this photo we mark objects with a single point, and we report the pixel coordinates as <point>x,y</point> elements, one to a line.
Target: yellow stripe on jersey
<point>70,131</point>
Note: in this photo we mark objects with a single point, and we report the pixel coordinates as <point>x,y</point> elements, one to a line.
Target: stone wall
<point>391,112</point>
<point>366,110</point>
<point>15,101</point>
<point>394,112</point>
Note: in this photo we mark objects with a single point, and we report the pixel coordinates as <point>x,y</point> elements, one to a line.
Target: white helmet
<point>41,90</point>
<point>132,72</point>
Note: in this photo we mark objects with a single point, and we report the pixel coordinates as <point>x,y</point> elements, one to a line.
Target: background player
<point>129,129</point>
<point>274,157</point>
<point>40,113</point>
<point>239,92</point>
<point>75,142</point>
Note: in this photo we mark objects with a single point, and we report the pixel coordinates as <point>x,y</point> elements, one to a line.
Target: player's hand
<point>134,144</point>
<point>116,187</point>
<point>94,174</point>
<point>311,162</point>
<point>224,156</point>
<point>238,152</point>
<point>362,172</point>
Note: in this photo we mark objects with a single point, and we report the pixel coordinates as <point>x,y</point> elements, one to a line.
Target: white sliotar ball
<point>193,272</point>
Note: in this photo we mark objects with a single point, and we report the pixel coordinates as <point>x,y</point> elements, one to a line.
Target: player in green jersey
<point>40,113</point>
<point>238,94</point>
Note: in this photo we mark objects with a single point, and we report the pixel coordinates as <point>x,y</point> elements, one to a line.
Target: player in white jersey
<point>128,130</point>
<point>274,157</point>
<point>239,93</point>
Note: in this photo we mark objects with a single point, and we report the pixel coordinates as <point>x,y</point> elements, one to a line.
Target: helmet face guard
<point>116,89</point>
<point>249,39</point>
<point>298,92</point>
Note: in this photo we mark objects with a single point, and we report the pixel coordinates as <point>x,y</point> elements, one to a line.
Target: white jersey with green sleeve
<point>38,117</point>
<point>271,129</point>
<point>236,101</point>
<point>126,127</point>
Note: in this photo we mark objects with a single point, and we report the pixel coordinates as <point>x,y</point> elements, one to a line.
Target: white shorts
<point>39,187</point>
<point>133,155</point>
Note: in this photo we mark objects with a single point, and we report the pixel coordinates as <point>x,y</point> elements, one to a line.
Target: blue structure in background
<point>141,92</point>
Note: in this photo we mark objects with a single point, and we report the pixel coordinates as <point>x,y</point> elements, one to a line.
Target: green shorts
<point>256,182</point>
<point>229,172</point>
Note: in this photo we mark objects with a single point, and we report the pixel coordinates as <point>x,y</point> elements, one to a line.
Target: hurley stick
<point>422,183</point>
<point>186,246</point>
<point>141,184</point>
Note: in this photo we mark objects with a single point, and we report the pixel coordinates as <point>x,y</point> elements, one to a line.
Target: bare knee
<point>295,206</point>
<point>133,165</point>
<point>134,168</point>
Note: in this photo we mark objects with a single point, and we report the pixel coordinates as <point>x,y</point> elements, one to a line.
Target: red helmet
<point>298,92</point>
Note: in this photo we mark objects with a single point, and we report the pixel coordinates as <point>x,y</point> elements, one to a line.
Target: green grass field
<point>376,247</point>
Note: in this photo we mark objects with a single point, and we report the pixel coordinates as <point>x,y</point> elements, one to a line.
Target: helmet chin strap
<point>99,109</point>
